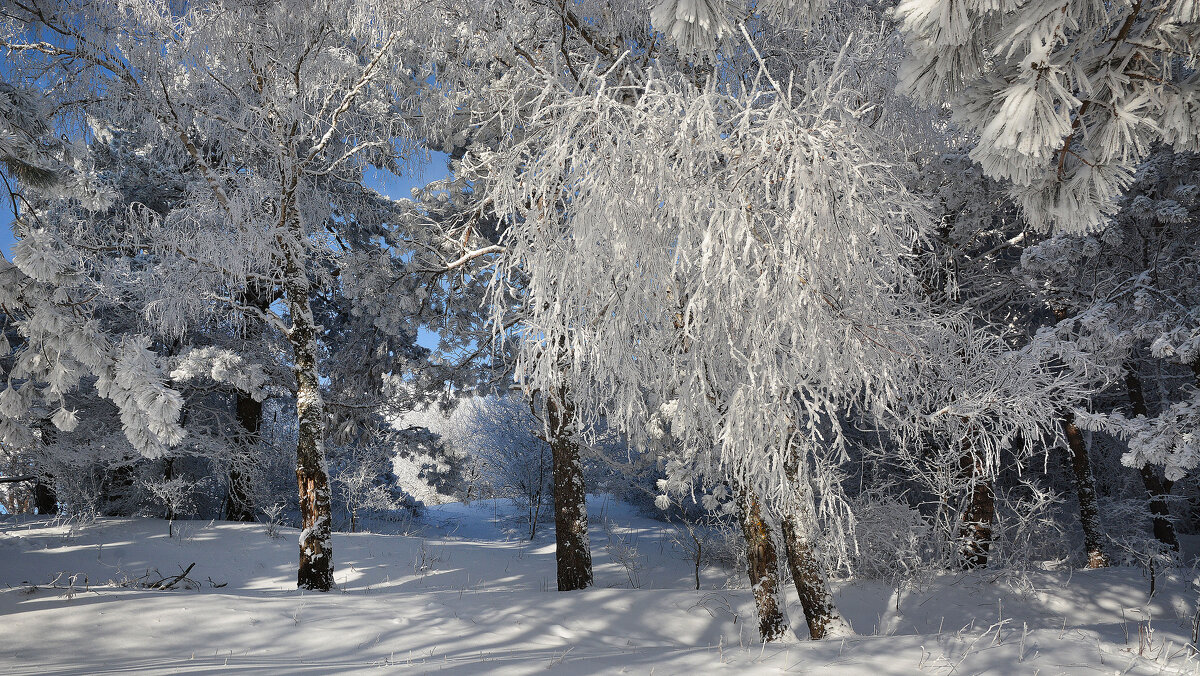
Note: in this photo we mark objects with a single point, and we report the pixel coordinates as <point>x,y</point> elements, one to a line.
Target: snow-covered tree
<point>274,115</point>
<point>750,298</point>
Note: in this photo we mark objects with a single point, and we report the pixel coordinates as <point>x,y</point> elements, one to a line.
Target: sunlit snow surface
<point>464,593</point>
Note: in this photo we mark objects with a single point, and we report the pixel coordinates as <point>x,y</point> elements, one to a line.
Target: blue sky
<point>6,236</point>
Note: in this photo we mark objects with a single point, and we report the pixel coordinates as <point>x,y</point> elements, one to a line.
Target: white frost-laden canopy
<point>1066,97</point>
<point>737,262</point>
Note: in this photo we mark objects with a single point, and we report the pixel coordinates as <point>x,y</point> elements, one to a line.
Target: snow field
<point>465,594</point>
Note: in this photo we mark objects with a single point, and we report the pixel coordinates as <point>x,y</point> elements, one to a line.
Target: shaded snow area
<point>462,592</point>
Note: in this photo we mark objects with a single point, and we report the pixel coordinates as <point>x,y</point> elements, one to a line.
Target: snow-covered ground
<point>464,593</point>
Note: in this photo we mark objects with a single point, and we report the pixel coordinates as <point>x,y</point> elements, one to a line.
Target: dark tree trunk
<point>1085,491</point>
<point>762,564</point>
<point>312,476</point>
<point>800,546</point>
<point>115,488</point>
<point>168,474</point>
<point>572,550</point>
<point>239,503</point>
<point>1157,487</point>
<point>975,531</point>
<point>45,500</point>
<point>239,506</point>
<point>1194,500</point>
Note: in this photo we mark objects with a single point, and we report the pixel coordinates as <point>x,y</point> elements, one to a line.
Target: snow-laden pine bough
<point>1066,99</point>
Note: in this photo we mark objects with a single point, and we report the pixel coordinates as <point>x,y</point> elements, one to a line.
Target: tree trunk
<point>572,550</point>
<point>1157,487</point>
<point>45,500</point>
<point>1085,491</point>
<point>115,488</point>
<point>975,532</point>
<point>800,546</point>
<point>238,504</point>
<point>762,564</point>
<point>169,474</point>
<point>312,476</point>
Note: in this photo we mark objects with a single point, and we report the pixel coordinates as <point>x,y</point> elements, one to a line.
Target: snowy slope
<point>467,595</point>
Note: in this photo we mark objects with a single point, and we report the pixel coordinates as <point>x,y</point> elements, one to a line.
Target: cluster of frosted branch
<point>1066,97</point>
<point>1170,440</point>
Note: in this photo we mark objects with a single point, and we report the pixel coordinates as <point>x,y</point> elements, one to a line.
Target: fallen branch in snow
<point>166,583</point>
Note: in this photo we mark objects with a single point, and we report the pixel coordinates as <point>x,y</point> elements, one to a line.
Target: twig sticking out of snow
<point>168,583</point>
